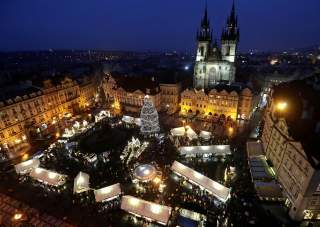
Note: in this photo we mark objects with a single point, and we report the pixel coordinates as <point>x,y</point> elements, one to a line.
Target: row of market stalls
<point>188,132</point>
<point>193,151</point>
<point>218,190</point>
<point>141,208</point>
<point>262,174</point>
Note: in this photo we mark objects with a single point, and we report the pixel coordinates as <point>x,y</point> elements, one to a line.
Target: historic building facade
<point>215,65</point>
<point>127,93</point>
<point>234,104</point>
<point>290,139</point>
<point>170,97</point>
<point>38,108</point>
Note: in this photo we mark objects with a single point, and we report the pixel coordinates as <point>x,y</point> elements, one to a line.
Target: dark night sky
<point>152,24</point>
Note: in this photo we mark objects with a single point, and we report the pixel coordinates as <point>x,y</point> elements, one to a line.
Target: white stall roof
<point>205,135</point>
<point>81,183</point>
<point>182,131</point>
<point>150,210</point>
<point>128,119</point>
<point>199,150</point>
<point>27,166</point>
<point>48,177</point>
<point>107,193</point>
<point>218,190</point>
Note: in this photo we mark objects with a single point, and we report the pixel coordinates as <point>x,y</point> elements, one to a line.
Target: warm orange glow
<point>17,216</point>
<point>282,106</point>
<point>57,135</point>
<point>230,130</point>
<point>157,180</point>
<point>25,156</point>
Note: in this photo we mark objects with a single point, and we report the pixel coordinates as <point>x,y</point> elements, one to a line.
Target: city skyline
<point>145,27</point>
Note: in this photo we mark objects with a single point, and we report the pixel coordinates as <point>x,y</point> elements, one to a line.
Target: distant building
<point>290,139</point>
<point>127,93</point>
<point>224,100</point>
<point>214,65</point>
<point>170,96</point>
<point>36,107</point>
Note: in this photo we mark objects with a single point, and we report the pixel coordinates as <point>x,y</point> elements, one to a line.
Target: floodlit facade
<point>290,140</point>
<point>48,177</point>
<point>218,190</point>
<point>107,193</point>
<point>234,104</point>
<point>216,65</point>
<point>148,210</point>
<point>23,116</point>
<point>81,183</point>
<point>27,166</point>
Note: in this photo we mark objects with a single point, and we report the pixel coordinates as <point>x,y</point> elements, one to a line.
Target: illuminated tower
<point>204,37</point>
<point>230,37</point>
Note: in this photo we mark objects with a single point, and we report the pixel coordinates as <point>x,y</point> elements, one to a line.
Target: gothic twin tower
<point>215,65</point>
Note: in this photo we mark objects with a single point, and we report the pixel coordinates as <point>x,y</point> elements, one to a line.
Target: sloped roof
<point>218,190</point>
<point>154,211</point>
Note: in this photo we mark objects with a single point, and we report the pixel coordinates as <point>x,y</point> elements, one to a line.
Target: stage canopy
<point>48,177</point>
<point>27,166</point>
<point>107,193</point>
<point>218,190</point>
<point>201,150</point>
<point>182,131</point>
<point>81,183</point>
<point>149,210</point>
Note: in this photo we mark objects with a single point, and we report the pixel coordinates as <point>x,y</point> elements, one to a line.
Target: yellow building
<point>37,108</point>
<point>237,105</point>
<point>127,93</point>
<point>290,139</point>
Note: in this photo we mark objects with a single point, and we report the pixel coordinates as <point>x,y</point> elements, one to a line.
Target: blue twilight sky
<point>153,24</point>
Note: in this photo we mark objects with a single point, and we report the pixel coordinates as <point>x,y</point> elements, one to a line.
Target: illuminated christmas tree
<point>149,118</point>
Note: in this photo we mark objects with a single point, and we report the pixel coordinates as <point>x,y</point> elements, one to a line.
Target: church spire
<point>205,32</point>
<point>231,31</point>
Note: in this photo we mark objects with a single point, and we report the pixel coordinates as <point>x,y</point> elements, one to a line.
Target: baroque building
<point>290,139</point>
<point>224,101</point>
<point>127,93</point>
<point>39,106</point>
<point>215,65</point>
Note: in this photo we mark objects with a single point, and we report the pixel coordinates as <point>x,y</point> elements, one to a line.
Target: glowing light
<point>146,172</point>
<point>156,209</point>
<point>17,216</point>
<point>38,170</point>
<point>52,175</point>
<point>198,175</point>
<point>282,106</point>
<point>57,135</point>
<point>230,130</point>
<point>25,156</point>
<point>157,180</point>
<point>134,201</point>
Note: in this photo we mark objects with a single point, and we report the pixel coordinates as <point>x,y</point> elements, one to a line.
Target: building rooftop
<point>302,113</point>
<point>145,84</point>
